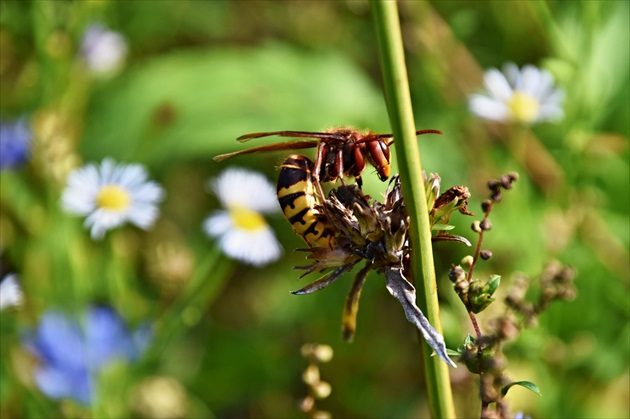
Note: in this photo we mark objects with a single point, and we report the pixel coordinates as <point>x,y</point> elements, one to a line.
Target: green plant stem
<point>408,156</point>
<point>204,286</point>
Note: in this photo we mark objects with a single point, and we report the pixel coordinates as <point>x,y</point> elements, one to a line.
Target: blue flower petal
<point>14,143</point>
<point>60,341</point>
<point>71,356</point>
<point>58,383</point>
<point>106,337</point>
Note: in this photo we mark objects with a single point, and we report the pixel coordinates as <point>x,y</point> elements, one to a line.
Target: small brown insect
<point>340,151</point>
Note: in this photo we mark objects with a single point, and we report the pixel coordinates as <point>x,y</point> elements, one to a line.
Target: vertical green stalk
<point>204,286</point>
<point>408,156</point>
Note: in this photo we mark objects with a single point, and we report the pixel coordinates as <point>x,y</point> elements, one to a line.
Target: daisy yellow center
<point>113,198</point>
<point>246,219</point>
<point>524,107</point>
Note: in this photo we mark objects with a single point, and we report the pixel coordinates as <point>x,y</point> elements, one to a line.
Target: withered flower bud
<point>461,286</point>
<point>496,196</point>
<point>476,226</point>
<point>458,277</point>
<point>486,205</point>
<point>494,185</point>
<point>486,224</point>
<point>506,182</point>
<point>456,273</point>
<point>520,285</point>
<point>485,254</point>
<point>513,176</point>
<point>507,328</point>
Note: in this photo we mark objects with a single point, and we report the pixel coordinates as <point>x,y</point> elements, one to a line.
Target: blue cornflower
<point>71,356</point>
<point>15,143</point>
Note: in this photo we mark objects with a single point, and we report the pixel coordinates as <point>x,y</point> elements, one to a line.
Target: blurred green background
<point>198,75</point>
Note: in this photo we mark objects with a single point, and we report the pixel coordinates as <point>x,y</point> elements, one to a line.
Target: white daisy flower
<point>241,229</point>
<point>102,50</point>
<point>10,292</point>
<point>112,194</point>
<point>523,96</point>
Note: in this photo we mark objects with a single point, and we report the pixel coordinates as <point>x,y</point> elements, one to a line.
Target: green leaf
<point>442,227</point>
<point>527,384</point>
<point>453,352</point>
<point>493,283</point>
<point>194,103</point>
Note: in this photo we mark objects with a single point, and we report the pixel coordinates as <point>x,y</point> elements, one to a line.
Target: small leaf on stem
<point>527,384</point>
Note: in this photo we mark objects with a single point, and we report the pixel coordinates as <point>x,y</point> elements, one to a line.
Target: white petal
<point>103,51</point>
<point>107,171</point>
<point>255,248</point>
<point>544,87</point>
<point>497,85</point>
<point>530,82</point>
<point>487,108</point>
<point>149,192</point>
<point>132,176</point>
<point>80,193</point>
<point>218,223</point>
<point>240,187</point>
<point>101,220</point>
<point>10,292</point>
<point>143,215</point>
<point>512,73</point>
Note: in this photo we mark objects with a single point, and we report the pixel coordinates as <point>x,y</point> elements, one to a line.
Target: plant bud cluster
<point>317,388</point>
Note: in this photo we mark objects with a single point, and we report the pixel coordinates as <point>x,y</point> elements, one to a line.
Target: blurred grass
<point>202,73</point>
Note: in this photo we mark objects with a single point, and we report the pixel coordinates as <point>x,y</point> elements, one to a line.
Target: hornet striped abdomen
<point>296,194</point>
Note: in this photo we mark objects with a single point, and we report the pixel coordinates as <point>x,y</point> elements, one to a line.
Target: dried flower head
<point>377,233</point>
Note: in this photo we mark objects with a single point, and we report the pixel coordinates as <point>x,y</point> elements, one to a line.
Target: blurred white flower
<point>524,96</point>
<point>112,194</point>
<point>241,228</point>
<point>10,292</point>
<point>103,51</point>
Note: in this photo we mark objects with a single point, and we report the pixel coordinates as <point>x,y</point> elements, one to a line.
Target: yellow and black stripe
<point>297,200</point>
